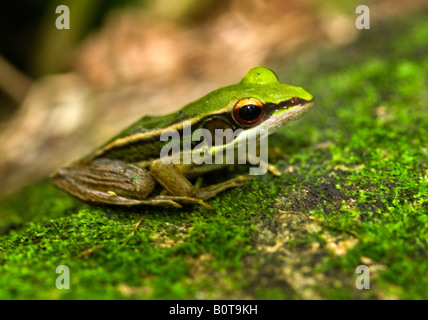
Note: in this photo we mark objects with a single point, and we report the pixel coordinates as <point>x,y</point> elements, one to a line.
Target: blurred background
<point>64,92</point>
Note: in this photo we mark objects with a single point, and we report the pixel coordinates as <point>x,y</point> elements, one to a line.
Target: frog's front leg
<point>105,181</point>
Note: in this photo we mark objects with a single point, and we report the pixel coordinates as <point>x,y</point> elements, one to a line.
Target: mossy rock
<point>354,192</point>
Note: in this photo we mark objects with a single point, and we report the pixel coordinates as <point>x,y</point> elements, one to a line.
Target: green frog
<point>126,169</point>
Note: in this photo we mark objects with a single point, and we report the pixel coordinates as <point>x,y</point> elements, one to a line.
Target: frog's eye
<point>248,111</point>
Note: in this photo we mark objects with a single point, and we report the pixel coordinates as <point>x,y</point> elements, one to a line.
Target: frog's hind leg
<point>109,182</point>
<point>181,199</point>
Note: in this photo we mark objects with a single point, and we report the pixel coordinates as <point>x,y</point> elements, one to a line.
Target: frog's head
<point>258,101</point>
<point>269,104</point>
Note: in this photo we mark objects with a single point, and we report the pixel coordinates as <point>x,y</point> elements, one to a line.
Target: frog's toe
<point>274,170</point>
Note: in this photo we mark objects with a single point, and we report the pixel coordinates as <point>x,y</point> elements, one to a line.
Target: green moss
<point>354,192</point>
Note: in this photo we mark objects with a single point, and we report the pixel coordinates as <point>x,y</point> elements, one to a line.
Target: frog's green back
<point>141,140</point>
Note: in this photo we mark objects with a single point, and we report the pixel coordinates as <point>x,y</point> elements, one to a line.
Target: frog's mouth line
<point>285,112</point>
<point>279,108</point>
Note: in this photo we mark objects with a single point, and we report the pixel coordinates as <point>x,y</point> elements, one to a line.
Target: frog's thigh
<point>107,181</point>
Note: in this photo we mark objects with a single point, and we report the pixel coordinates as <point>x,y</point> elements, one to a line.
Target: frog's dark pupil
<point>249,112</point>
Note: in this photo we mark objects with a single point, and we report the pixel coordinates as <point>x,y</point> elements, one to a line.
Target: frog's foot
<point>274,170</point>
<point>151,202</point>
<point>205,193</point>
<point>212,190</point>
<point>182,200</point>
<point>181,190</point>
